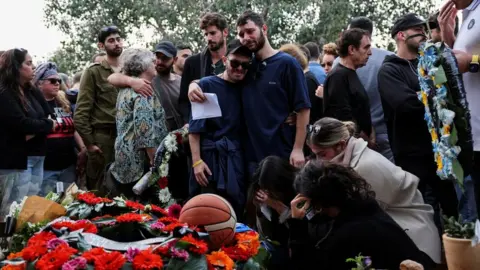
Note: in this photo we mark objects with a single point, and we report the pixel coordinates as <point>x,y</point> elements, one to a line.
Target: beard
<point>214,46</point>
<point>234,76</point>
<point>259,43</point>
<point>116,52</point>
<point>163,70</point>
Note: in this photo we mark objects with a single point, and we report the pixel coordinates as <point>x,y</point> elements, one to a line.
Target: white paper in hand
<point>208,109</point>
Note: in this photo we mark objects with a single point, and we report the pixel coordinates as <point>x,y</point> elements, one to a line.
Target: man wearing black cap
<point>404,113</point>
<point>217,154</point>
<point>166,84</point>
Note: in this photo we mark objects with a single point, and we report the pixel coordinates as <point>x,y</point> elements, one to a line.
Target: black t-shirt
<point>345,98</point>
<point>316,111</point>
<point>35,146</point>
<point>61,143</point>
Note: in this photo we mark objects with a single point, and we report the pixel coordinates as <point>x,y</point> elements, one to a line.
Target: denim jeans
<point>51,178</point>
<point>16,184</point>
<point>383,146</point>
<point>466,200</point>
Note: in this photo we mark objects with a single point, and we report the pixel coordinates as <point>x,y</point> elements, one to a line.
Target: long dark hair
<point>331,185</point>
<point>10,65</point>
<point>276,176</point>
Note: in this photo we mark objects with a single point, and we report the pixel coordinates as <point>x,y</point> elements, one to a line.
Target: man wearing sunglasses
<point>215,143</point>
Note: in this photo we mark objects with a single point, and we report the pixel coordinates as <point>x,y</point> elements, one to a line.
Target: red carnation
<point>135,205</point>
<point>174,210</point>
<point>179,138</point>
<point>162,182</point>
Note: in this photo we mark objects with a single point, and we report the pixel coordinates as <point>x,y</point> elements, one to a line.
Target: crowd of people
<point>324,151</point>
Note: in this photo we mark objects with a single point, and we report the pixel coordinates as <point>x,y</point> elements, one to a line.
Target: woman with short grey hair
<point>140,125</point>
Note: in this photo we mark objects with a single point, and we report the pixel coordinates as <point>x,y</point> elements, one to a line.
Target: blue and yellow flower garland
<point>440,118</point>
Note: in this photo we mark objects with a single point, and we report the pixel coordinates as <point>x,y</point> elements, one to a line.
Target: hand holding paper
<point>208,109</point>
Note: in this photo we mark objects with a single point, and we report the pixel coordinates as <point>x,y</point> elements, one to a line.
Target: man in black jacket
<point>404,113</point>
<point>206,63</point>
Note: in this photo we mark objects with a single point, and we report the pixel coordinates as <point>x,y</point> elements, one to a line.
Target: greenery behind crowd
<point>177,20</point>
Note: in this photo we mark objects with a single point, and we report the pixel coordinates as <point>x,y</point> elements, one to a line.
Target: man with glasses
<point>95,112</point>
<point>215,143</point>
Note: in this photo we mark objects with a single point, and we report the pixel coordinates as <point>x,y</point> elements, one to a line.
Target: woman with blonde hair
<point>396,190</point>
<point>329,56</point>
<point>301,55</point>
<point>61,158</point>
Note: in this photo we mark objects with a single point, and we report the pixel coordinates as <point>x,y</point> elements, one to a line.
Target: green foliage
<point>20,239</point>
<point>194,262</point>
<point>177,20</point>
<point>458,228</point>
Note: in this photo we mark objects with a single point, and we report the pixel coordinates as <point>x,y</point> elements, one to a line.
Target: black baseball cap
<point>235,47</point>
<point>406,22</point>
<point>166,48</point>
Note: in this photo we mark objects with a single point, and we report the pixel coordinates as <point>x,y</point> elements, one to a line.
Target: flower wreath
<point>446,109</point>
<point>158,176</point>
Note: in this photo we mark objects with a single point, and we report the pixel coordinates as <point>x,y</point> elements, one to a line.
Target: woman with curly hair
<point>348,222</point>
<point>396,190</point>
<point>26,121</point>
<point>329,56</point>
<point>141,125</point>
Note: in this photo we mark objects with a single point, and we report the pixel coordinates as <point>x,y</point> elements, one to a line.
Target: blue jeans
<point>51,178</point>
<point>384,147</point>
<point>16,184</point>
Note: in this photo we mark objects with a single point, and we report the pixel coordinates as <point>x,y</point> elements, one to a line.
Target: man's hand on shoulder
<point>142,87</point>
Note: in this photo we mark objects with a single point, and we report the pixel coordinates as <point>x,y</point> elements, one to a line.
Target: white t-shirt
<point>468,40</point>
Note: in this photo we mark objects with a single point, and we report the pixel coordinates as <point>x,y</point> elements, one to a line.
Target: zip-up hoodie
<point>403,111</point>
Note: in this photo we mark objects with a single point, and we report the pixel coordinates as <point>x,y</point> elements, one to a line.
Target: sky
<point>30,32</point>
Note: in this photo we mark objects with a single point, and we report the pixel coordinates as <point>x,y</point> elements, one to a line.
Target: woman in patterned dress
<point>140,124</point>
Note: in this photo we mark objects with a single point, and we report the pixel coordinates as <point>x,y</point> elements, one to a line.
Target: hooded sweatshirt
<point>404,113</point>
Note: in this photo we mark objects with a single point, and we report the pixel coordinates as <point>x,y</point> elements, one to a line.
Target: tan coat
<point>397,193</point>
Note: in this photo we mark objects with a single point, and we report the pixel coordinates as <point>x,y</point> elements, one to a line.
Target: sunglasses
<point>236,64</point>
<point>54,81</point>
<point>313,129</point>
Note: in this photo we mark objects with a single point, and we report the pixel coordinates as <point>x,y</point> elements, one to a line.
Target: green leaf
<point>262,256</point>
<point>440,76</point>
<point>458,172</point>
<point>194,262</point>
<point>127,266</point>
<point>453,139</point>
<point>251,264</point>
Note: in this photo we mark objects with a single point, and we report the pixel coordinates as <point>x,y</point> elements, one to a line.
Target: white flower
<point>171,143</point>
<point>163,169</point>
<point>14,209</point>
<point>164,195</point>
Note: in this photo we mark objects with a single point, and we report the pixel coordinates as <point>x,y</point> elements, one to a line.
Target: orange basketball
<point>215,214</point>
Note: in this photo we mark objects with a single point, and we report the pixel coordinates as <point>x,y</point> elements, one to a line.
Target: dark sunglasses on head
<point>54,81</point>
<point>236,64</point>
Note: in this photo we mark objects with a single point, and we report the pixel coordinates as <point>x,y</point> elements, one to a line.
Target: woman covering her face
<point>396,190</point>
<point>348,222</point>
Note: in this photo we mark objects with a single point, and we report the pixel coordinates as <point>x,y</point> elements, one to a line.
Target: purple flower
<point>131,253</point>
<point>180,254</point>
<point>77,263</point>
<point>367,261</point>
<point>157,226</point>
<point>55,242</point>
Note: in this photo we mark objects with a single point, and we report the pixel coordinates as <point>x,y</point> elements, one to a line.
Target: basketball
<point>215,214</point>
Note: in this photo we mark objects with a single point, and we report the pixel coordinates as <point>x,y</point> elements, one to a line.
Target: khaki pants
<point>105,140</point>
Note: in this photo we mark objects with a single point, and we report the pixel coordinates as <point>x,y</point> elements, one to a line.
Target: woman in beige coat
<point>396,190</point>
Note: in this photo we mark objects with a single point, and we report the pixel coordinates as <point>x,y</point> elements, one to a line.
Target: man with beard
<point>274,88</point>
<point>95,112</point>
<point>404,113</point>
<point>217,154</point>
<point>183,52</point>
<point>166,84</point>
<point>345,97</point>
<point>208,61</point>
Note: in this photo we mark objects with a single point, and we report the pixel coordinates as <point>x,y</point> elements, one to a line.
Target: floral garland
<point>436,95</point>
<point>160,172</point>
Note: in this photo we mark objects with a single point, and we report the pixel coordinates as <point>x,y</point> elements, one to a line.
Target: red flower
<point>129,218</point>
<point>91,199</point>
<point>102,217</point>
<point>41,239</point>
<point>162,182</point>
<point>179,138</point>
<point>236,253</point>
<point>196,246</point>
<point>110,261</point>
<point>56,258</point>
<point>168,220</point>
<point>170,227</point>
<point>135,205</point>
<point>163,250</point>
<point>174,210</point>
<point>31,253</point>
<point>86,225</point>
<point>92,254</point>
<point>22,266</point>
<point>146,260</point>
<point>159,210</point>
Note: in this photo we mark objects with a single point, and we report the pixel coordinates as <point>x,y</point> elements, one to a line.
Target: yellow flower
<point>446,129</point>
<point>439,162</point>
<point>424,98</point>
<point>434,135</point>
<point>422,72</point>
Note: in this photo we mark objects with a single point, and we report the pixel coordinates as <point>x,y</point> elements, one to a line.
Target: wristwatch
<point>474,65</point>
